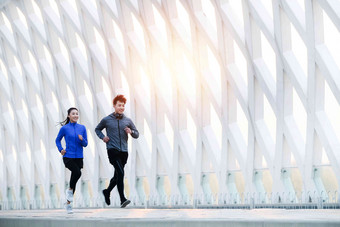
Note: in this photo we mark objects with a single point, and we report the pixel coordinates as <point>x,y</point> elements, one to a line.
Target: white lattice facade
<point>236,101</point>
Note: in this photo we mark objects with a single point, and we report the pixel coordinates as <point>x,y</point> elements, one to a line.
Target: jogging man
<point>118,127</point>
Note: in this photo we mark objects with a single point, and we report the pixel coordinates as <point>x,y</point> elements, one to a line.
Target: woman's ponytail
<point>65,122</point>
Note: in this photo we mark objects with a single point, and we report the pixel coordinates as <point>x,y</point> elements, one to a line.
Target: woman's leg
<point>76,173</point>
<point>73,165</point>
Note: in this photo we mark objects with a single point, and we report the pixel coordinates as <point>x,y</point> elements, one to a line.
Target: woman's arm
<point>60,135</point>
<point>84,141</point>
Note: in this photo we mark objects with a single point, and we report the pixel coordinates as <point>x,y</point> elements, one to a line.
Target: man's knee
<point>113,179</point>
<point>119,168</point>
<point>121,175</point>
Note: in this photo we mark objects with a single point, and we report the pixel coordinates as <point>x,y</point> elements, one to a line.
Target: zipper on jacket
<point>75,141</point>
<point>120,140</point>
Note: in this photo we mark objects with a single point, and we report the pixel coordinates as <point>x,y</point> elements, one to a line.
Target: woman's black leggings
<point>74,165</point>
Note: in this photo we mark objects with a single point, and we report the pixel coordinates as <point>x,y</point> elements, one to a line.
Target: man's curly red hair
<point>119,98</point>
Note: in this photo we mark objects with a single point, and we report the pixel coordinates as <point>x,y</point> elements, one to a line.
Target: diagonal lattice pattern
<point>237,102</point>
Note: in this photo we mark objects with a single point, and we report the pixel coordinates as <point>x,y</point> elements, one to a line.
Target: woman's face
<point>73,116</point>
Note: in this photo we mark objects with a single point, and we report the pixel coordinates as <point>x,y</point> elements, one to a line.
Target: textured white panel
<point>236,101</point>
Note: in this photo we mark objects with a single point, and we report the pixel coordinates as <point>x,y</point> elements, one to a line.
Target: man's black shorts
<point>115,154</point>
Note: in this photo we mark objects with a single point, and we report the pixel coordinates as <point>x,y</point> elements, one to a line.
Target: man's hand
<point>106,139</point>
<point>62,152</point>
<point>80,137</point>
<point>128,130</point>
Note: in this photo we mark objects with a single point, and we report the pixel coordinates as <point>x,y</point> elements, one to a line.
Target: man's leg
<point>119,168</point>
<point>123,159</point>
<point>114,158</point>
<point>113,182</point>
<point>111,153</point>
<point>106,192</point>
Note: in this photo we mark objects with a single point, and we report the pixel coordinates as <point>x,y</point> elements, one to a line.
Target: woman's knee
<point>77,173</point>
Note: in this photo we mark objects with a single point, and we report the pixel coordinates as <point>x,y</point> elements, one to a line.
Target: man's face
<point>119,107</point>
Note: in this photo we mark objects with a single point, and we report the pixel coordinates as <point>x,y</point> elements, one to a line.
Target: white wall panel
<point>236,101</point>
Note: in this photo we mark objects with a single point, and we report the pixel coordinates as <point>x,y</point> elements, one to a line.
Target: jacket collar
<point>113,115</point>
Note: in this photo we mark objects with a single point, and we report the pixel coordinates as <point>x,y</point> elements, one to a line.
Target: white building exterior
<point>236,101</point>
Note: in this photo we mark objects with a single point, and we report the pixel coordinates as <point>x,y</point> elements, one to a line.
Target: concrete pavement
<point>170,217</point>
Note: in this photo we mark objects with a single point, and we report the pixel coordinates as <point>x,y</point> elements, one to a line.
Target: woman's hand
<point>62,152</point>
<point>80,137</point>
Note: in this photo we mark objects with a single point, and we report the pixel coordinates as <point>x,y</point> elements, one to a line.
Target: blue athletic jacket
<point>74,146</point>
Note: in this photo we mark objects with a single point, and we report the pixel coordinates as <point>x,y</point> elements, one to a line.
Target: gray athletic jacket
<point>115,131</point>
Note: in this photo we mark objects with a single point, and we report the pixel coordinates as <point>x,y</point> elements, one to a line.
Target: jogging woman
<point>75,137</point>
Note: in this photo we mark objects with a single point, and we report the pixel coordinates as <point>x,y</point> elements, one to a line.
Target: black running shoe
<point>106,194</point>
<point>125,203</point>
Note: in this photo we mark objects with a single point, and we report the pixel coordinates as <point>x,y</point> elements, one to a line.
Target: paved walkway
<point>170,217</point>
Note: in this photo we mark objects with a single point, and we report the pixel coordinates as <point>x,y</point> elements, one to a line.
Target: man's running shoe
<point>106,194</point>
<point>125,203</point>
